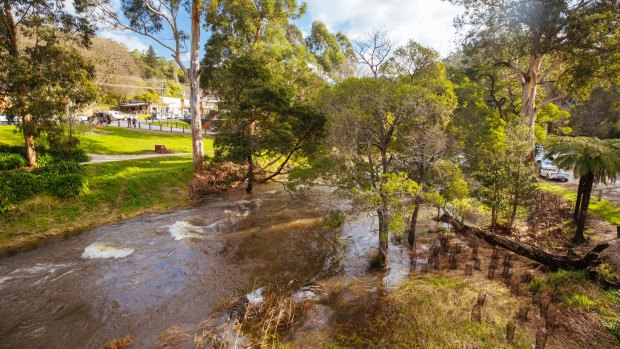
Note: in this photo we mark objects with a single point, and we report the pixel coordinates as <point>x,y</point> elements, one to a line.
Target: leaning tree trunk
<point>582,183</point>
<point>553,261</point>
<point>194,77</point>
<point>583,209</point>
<point>414,223</point>
<point>529,85</point>
<point>513,214</point>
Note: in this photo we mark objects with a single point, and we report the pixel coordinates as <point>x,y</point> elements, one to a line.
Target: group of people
<point>132,121</point>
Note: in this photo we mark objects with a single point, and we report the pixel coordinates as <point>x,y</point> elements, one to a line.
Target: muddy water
<point>144,275</point>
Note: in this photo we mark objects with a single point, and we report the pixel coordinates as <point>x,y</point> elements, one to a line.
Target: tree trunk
<point>513,214</point>
<point>251,178</point>
<point>194,77</point>
<point>578,200</point>
<point>31,154</point>
<point>382,213</point>
<point>529,86</point>
<point>493,218</point>
<point>554,262</point>
<point>583,209</point>
<point>414,223</point>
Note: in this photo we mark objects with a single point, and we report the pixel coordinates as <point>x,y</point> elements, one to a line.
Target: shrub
<point>18,185</point>
<point>68,185</point>
<point>9,161</point>
<point>62,167</point>
<point>77,155</point>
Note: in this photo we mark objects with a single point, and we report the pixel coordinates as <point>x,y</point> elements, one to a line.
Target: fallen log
<point>590,261</point>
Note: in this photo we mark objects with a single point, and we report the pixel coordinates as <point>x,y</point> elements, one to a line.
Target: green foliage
<point>552,120</point>
<point>10,161</point>
<point>584,155</point>
<point>613,327</point>
<point>334,219</point>
<point>148,96</point>
<point>330,51</point>
<point>580,301</point>
<point>68,185</point>
<point>599,116</point>
<point>18,185</point>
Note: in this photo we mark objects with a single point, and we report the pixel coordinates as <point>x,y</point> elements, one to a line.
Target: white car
<point>550,171</point>
<point>81,118</point>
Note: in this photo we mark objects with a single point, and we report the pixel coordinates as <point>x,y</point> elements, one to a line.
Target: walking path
<point>99,158</point>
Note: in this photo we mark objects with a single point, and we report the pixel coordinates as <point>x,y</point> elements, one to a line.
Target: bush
<point>10,161</point>
<point>19,185</point>
<point>62,167</point>
<point>77,155</point>
<point>68,185</point>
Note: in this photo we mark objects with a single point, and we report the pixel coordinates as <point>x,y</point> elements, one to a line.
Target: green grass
<point>112,140</point>
<point>118,190</point>
<point>603,209</point>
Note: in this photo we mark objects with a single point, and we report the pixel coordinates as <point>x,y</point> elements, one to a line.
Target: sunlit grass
<point>118,190</point>
<point>604,209</point>
<point>113,140</point>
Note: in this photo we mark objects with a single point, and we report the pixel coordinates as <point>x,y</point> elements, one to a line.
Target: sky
<point>428,22</point>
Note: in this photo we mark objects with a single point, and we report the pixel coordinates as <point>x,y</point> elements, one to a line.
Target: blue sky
<point>426,21</point>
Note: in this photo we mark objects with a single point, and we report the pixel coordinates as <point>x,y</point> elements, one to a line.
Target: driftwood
<point>553,261</point>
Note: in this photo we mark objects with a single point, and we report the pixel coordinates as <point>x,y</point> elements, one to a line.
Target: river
<point>147,274</point>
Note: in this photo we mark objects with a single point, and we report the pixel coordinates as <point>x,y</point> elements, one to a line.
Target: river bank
<point>117,191</point>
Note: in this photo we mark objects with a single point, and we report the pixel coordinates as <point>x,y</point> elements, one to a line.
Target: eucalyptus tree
<point>42,72</point>
<point>562,45</point>
<point>333,53</point>
<point>257,63</point>
<point>424,141</point>
<point>152,18</point>
<point>594,161</point>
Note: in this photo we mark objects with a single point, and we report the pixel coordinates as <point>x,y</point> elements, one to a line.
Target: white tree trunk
<point>528,92</point>
<point>194,78</point>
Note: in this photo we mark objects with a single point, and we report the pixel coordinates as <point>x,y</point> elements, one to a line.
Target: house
<point>134,107</point>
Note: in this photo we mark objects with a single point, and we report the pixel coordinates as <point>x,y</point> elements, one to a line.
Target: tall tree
<point>257,63</point>
<point>42,72</point>
<point>331,52</point>
<point>593,161</point>
<point>562,45</point>
<point>152,17</point>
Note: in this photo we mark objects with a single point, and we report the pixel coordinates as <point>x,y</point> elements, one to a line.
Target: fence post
<point>160,127</point>
<point>149,126</point>
<point>119,123</point>
<point>139,125</point>
<point>183,129</point>
<point>170,128</point>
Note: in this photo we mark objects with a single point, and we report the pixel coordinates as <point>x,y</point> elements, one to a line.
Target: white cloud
<point>428,22</point>
<point>131,41</point>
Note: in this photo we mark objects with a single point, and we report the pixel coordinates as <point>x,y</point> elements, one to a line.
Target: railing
<point>178,127</point>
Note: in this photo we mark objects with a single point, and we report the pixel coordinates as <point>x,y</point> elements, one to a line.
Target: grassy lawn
<point>604,209</point>
<point>112,140</point>
<point>118,190</point>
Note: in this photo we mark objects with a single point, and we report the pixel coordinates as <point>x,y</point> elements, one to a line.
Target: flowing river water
<point>147,274</point>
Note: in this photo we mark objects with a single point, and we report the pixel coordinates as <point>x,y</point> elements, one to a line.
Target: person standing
<point>134,121</point>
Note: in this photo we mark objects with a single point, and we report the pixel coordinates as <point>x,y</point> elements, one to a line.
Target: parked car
<point>550,171</point>
<point>81,117</point>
